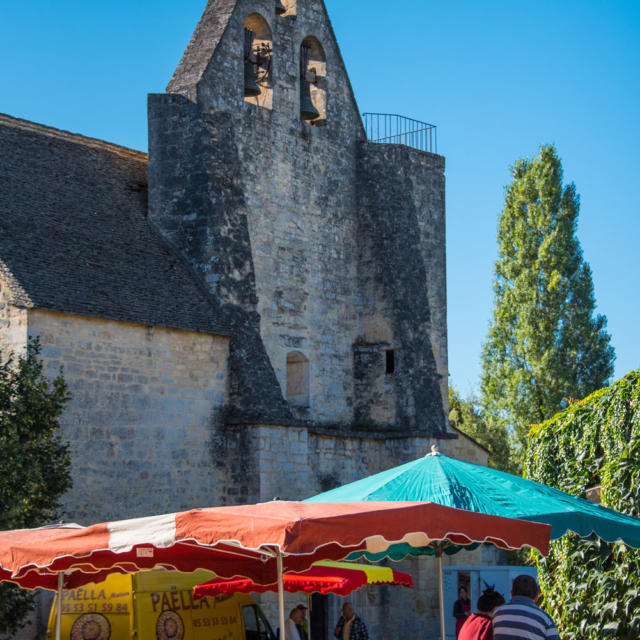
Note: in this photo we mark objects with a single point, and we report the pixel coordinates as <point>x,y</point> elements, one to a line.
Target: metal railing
<point>390,128</point>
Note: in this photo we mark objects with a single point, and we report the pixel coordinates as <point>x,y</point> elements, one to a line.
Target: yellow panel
<point>174,614</point>
<point>150,605</point>
<point>96,611</point>
<point>160,580</point>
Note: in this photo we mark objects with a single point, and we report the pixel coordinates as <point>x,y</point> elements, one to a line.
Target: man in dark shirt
<point>302,625</point>
<point>350,626</point>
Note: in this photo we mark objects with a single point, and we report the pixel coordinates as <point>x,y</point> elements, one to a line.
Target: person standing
<point>350,626</point>
<point>291,625</point>
<point>302,625</point>
<point>478,625</point>
<point>461,609</point>
<point>521,618</point>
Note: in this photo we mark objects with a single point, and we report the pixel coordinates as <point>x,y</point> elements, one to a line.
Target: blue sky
<point>498,78</point>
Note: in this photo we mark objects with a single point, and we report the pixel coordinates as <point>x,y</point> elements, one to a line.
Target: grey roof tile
<point>74,236</point>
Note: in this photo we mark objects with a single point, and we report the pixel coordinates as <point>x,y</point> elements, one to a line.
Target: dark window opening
<point>390,361</point>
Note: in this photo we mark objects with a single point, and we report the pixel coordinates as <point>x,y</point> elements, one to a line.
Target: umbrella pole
<point>309,618</point>
<point>441,594</point>
<point>280,596</point>
<point>59,607</point>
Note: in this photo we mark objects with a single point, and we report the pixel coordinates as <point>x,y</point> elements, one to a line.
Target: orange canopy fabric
<point>243,541</point>
<point>340,578</point>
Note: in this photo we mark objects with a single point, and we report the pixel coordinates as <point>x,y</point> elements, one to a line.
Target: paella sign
<point>98,611</point>
<point>98,598</point>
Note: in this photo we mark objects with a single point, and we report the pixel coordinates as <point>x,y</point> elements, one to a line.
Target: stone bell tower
<point>326,251</point>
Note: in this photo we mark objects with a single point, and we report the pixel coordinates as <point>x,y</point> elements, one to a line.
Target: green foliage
<point>34,463</point>
<point>545,346</point>
<point>592,588</point>
<point>15,604</point>
<point>465,415</point>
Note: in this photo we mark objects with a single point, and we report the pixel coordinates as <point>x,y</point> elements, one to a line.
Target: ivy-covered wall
<point>592,588</point>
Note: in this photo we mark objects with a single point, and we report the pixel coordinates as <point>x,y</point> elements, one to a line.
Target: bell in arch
<point>251,88</point>
<point>307,110</point>
<point>280,8</point>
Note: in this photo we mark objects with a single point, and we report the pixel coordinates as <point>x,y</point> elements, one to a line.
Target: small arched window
<point>298,379</point>
<point>258,55</point>
<point>313,82</point>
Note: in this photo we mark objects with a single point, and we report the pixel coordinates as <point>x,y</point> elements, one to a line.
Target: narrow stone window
<point>258,56</point>
<point>297,379</point>
<point>313,82</point>
<point>390,361</point>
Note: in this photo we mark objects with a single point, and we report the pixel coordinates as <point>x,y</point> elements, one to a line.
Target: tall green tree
<point>466,416</point>
<point>34,462</point>
<point>546,346</point>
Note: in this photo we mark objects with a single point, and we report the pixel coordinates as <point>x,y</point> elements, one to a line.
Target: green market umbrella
<point>454,483</point>
<point>463,485</point>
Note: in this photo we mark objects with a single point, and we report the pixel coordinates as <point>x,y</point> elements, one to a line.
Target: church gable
<point>280,56</point>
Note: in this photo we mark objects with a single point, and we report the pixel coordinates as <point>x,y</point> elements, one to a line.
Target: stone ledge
<point>391,434</point>
<point>342,431</point>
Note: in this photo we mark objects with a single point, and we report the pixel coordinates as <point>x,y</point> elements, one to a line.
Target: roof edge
<point>19,296</point>
<point>77,138</point>
<point>459,434</point>
<point>201,48</point>
<point>222,333</point>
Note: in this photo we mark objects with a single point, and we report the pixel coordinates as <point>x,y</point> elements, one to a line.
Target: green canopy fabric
<point>454,483</point>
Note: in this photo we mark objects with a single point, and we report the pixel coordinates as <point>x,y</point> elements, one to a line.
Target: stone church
<point>256,307</point>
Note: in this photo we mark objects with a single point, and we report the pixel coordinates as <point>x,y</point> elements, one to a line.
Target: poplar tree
<point>546,346</point>
<point>34,463</point>
<point>466,416</point>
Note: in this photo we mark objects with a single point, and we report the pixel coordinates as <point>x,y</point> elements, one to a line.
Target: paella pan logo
<point>169,626</point>
<point>91,626</point>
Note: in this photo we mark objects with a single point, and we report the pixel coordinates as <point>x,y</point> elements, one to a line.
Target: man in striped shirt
<point>522,619</point>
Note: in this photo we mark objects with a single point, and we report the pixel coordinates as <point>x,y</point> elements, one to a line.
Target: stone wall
<point>403,277</point>
<point>13,322</point>
<point>293,463</point>
<point>143,414</point>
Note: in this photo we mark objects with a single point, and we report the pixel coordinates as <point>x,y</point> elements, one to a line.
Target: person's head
<point>347,610</point>
<point>303,610</point>
<point>489,601</point>
<point>462,593</point>
<point>296,615</point>
<point>525,585</point>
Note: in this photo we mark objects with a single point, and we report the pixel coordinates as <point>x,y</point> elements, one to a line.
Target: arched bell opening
<point>258,58</point>
<point>313,82</point>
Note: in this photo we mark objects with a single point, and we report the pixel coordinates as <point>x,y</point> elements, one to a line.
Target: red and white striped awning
<point>243,541</point>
